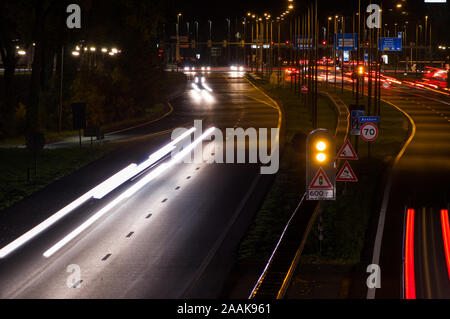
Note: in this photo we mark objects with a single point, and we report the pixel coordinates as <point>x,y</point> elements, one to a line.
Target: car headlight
<point>241,68</point>
<point>208,68</point>
<point>186,68</point>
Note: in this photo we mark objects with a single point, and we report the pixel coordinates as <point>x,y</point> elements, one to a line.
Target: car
<point>237,68</point>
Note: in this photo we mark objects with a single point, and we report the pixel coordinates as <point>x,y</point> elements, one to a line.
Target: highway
<point>420,183</point>
<point>174,237</point>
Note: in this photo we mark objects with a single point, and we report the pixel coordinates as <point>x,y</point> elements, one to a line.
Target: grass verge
<point>289,184</point>
<point>52,164</point>
<point>345,221</point>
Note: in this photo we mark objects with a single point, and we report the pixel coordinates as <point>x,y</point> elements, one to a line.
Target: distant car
<point>237,68</point>
<point>190,66</point>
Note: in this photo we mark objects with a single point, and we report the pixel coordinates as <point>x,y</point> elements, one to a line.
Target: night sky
<point>218,11</point>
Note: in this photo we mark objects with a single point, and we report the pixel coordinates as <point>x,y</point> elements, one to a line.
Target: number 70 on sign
<point>369,132</point>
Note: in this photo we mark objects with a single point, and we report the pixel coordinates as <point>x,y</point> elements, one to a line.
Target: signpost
<point>79,117</point>
<point>368,119</point>
<point>369,132</point>
<point>347,42</point>
<point>356,111</point>
<point>320,166</point>
<point>321,187</point>
<point>304,89</point>
<point>346,174</point>
<point>347,152</point>
<point>391,44</point>
<point>303,42</point>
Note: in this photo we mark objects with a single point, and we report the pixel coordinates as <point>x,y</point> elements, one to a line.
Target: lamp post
<point>228,40</point>
<point>210,40</point>
<point>177,57</point>
<point>196,30</point>
<point>210,29</point>
<point>244,39</point>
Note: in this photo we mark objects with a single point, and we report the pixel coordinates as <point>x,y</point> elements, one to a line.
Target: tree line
<point>115,87</point>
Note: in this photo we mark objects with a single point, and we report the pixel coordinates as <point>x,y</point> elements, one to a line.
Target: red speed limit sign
<point>369,132</point>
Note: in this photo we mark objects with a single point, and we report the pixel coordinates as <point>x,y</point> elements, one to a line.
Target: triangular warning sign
<point>347,152</point>
<point>346,174</point>
<point>321,181</point>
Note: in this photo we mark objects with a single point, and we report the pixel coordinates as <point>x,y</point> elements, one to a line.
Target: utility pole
<point>316,26</point>
<point>177,54</point>
<point>61,91</point>
<point>342,61</point>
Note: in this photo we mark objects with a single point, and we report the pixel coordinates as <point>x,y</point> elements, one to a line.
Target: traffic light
<point>320,165</point>
<point>360,70</point>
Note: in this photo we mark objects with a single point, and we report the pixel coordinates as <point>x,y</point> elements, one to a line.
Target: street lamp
<point>210,29</point>
<point>177,57</point>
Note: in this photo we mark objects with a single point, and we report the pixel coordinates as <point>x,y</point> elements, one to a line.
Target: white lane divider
<point>97,192</point>
<point>128,193</point>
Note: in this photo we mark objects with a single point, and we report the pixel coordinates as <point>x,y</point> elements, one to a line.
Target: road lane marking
<point>79,282</point>
<point>387,190</point>
<point>144,124</point>
<point>277,107</point>
<point>106,257</point>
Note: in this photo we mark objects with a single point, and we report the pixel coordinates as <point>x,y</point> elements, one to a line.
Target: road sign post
<point>355,112</point>
<point>320,166</point>
<point>369,133</point>
<point>347,152</point>
<point>79,117</point>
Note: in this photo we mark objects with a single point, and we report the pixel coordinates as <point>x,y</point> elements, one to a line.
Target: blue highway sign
<point>369,119</point>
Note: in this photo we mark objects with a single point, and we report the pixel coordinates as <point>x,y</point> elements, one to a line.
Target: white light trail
<point>97,192</point>
<point>128,193</point>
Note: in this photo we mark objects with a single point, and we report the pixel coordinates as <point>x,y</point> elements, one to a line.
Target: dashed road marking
<point>77,284</point>
<point>106,257</point>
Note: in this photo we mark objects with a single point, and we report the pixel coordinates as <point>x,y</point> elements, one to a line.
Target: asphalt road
<point>420,182</point>
<point>175,238</point>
